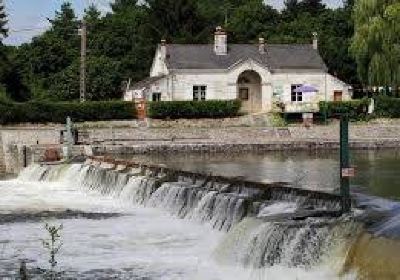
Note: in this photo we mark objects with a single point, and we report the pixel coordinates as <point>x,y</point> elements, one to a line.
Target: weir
<point>266,221</point>
<point>266,226</point>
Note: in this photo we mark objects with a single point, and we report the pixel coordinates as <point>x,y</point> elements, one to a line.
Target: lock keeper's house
<point>289,78</point>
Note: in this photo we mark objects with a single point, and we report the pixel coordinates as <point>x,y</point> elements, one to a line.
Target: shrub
<point>57,112</point>
<point>355,109</point>
<point>388,107</point>
<point>193,109</point>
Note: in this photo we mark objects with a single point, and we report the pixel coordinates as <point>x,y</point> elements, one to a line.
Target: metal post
<point>345,170</point>
<point>83,33</point>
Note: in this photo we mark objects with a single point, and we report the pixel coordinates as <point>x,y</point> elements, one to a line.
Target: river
<point>377,172</point>
<point>110,234</point>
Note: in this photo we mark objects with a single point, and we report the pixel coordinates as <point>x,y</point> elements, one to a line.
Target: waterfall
<point>262,244</point>
<point>265,227</point>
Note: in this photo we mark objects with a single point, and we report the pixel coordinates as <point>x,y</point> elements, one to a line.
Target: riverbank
<point>120,138</point>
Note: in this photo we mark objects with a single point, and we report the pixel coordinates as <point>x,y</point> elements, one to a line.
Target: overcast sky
<point>32,14</point>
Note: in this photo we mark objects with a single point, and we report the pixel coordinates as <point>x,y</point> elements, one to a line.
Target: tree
<point>49,53</point>
<point>376,42</point>
<point>3,33</point>
<point>291,8</point>
<point>3,21</point>
<point>92,15</point>
<point>177,19</point>
<point>103,80</point>
<point>119,6</point>
<point>249,21</point>
<point>313,7</point>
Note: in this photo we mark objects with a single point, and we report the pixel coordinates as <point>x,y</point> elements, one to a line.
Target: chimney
<point>220,41</point>
<point>261,45</point>
<point>163,49</point>
<point>315,40</point>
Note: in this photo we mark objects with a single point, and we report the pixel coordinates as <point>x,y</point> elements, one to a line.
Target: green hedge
<point>356,109</point>
<point>387,107</point>
<point>193,109</point>
<point>57,112</point>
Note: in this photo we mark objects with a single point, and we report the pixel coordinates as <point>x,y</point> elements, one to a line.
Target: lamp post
<point>326,99</point>
<point>345,170</point>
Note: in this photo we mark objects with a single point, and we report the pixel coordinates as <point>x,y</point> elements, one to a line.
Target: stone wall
<point>2,161</point>
<point>15,140</point>
<point>190,136</point>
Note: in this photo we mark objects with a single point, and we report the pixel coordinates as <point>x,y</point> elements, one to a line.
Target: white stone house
<point>264,76</point>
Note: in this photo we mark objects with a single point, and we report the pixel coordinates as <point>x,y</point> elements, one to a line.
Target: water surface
<point>377,172</point>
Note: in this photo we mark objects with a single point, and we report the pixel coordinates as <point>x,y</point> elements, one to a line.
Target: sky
<point>28,18</point>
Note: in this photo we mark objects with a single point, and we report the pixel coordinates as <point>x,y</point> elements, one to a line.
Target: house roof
<point>145,83</point>
<point>277,56</point>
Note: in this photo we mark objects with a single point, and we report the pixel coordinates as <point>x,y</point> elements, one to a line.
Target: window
<point>244,94</point>
<point>156,96</point>
<point>296,96</point>
<point>199,93</point>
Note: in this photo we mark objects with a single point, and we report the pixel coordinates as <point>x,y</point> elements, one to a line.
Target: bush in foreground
<point>57,112</point>
<point>193,109</point>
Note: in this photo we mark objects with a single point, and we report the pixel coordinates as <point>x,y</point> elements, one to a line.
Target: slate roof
<point>277,56</point>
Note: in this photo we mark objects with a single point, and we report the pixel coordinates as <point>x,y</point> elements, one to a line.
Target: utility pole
<point>82,88</point>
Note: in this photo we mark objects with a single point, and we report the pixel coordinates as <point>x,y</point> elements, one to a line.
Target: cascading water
<point>279,235</point>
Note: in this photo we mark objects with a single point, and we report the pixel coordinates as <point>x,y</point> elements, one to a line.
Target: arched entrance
<point>249,91</point>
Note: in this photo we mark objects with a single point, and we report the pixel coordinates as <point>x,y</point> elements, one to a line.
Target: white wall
<point>159,67</point>
<point>178,85</point>
<point>324,82</point>
<point>217,86</point>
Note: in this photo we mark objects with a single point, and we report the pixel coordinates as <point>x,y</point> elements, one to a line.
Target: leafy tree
<point>103,80</point>
<point>125,36</point>
<point>50,52</point>
<point>376,42</point>
<point>251,20</point>
<point>313,7</point>
<point>92,15</point>
<point>176,19</point>
<point>3,21</point>
<point>119,6</point>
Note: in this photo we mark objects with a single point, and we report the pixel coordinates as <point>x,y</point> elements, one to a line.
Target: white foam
<point>278,208</point>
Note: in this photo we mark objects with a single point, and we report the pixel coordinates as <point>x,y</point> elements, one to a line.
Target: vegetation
<point>57,112</point>
<point>387,107</point>
<point>121,44</point>
<point>3,21</point>
<point>376,42</point>
<point>359,40</point>
<point>193,109</point>
<point>356,109</point>
<point>53,245</point>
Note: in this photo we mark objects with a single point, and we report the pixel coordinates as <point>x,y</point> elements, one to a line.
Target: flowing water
<point>136,225</point>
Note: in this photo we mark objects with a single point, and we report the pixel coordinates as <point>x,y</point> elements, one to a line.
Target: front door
<point>250,95</point>
<point>249,91</point>
<point>337,95</point>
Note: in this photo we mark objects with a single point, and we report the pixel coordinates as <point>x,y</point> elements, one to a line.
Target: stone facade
<point>273,87</point>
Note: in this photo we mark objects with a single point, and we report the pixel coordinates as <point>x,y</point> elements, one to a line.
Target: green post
<point>345,163</point>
